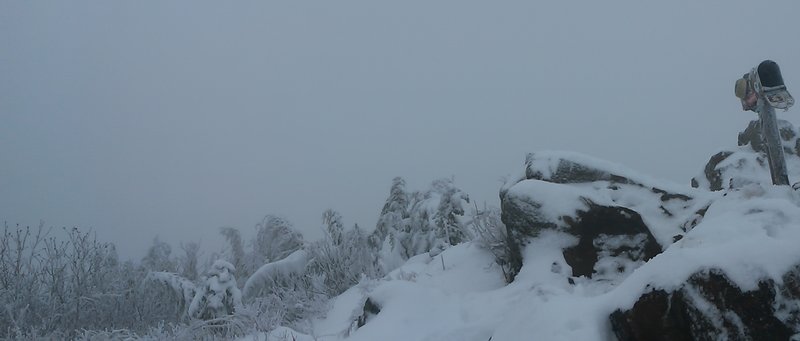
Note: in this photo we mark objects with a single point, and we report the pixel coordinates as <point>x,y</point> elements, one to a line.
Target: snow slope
<point>750,234</point>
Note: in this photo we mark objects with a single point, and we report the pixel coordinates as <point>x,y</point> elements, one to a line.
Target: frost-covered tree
<point>51,286</point>
<point>450,209</point>
<point>91,265</point>
<point>420,229</point>
<point>490,234</point>
<point>176,296</point>
<point>419,222</point>
<point>394,211</point>
<point>189,262</point>
<point>158,257</point>
<point>333,227</point>
<point>361,255</point>
<point>235,253</point>
<point>342,258</point>
<point>275,239</point>
<point>20,280</point>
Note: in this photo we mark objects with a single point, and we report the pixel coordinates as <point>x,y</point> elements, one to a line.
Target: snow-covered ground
<point>750,234</point>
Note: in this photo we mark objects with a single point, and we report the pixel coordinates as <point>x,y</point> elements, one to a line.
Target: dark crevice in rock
<point>610,222</point>
<point>667,196</point>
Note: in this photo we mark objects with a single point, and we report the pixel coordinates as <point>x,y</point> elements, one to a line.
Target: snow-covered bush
<point>490,234</point>
<point>299,286</point>
<point>261,282</point>
<point>182,290</point>
<point>283,293</point>
<point>342,258</point>
<point>55,286</point>
<point>218,296</point>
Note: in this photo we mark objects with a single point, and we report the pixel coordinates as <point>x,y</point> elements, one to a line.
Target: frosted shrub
<point>490,234</point>
<point>342,258</point>
<point>179,289</point>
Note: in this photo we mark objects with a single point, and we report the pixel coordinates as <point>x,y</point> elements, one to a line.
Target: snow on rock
<point>747,164</point>
<point>621,219</point>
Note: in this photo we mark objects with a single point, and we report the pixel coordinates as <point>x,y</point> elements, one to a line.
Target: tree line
<point>76,286</point>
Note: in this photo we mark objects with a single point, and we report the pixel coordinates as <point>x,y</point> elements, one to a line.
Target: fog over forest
<point>156,155</point>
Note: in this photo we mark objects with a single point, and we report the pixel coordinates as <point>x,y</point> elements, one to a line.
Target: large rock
<point>611,241</point>
<point>709,307</point>
<point>597,203</point>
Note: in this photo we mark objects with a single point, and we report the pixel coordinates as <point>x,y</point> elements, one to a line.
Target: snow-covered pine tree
<point>394,211</point>
<point>218,296</point>
<point>448,226</point>
<point>362,257</point>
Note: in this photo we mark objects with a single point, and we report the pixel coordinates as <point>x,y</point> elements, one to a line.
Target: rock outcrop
<point>710,307</point>
<point>600,204</point>
<point>619,221</point>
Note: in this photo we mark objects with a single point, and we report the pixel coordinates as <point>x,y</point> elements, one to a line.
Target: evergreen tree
<point>158,257</point>
<point>219,295</point>
<point>394,211</point>
<point>448,226</point>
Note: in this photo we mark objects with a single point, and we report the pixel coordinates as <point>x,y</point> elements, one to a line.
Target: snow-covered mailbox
<point>762,90</point>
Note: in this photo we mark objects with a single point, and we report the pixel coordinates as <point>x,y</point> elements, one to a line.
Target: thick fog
<point>145,118</point>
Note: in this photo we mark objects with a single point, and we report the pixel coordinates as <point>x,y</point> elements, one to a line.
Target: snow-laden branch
<point>293,264</point>
<point>181,286</point>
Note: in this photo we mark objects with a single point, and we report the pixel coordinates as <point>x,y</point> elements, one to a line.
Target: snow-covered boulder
<point>747,164</point>
<point>610,211</point>
<point>709,306</point>
<point>735,276</point>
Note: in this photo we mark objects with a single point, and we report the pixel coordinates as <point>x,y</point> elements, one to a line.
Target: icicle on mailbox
<point>762,90</point>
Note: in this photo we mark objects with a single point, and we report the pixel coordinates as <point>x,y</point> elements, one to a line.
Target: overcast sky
<point>174,118</point>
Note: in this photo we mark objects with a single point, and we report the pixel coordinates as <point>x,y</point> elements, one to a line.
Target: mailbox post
<point>772,140</point>
<point>762,90</point>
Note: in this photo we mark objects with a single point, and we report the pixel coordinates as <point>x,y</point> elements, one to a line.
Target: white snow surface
<point>293,263</point>
<point>750,234</point>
